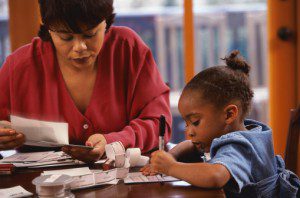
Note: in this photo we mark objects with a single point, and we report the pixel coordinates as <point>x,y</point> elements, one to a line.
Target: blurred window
<point>219,27</point>
<point>4,36</point>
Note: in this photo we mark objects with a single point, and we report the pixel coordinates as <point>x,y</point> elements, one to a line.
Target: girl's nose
<point>190,132</point>
<point>191,135</point>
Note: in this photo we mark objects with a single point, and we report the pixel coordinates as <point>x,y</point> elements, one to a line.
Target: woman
<point>101,80</point>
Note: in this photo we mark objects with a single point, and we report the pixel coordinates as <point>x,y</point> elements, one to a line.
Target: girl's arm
<point>201,174</point>
<point>186,152</point>
<point>198,174</point>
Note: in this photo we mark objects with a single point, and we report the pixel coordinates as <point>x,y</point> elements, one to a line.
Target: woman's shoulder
<point>122,33</point>
<point>29,53</point>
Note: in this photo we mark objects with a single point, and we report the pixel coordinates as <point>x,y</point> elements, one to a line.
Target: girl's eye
<point>196,123</point>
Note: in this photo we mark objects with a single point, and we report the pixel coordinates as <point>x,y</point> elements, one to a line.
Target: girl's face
<point>79,50</point>
<point>203,121</point>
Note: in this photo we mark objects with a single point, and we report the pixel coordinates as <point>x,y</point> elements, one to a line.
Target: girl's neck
<point>235,126</point>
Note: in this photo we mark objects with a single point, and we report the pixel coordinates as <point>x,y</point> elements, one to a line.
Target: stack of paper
<point>39,159</point>
<point>85,178</point>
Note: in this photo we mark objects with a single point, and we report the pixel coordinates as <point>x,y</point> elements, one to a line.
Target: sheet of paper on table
<point>14,192</point>
<point>138,177</point>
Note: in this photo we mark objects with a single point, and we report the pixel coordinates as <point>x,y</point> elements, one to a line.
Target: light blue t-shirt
<point>255,170</point>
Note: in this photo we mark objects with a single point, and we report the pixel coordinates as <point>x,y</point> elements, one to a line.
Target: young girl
<point>214,105</point>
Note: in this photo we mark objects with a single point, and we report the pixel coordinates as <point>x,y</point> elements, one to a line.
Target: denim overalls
<point>249,157</point>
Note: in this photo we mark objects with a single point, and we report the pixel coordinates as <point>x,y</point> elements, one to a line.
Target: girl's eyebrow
<point>188,116</point>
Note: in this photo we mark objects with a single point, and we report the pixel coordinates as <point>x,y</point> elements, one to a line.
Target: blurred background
<point>186,36</point>
<point>219,27</point>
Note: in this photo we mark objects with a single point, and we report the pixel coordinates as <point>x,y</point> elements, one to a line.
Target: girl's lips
<point>199,145</point>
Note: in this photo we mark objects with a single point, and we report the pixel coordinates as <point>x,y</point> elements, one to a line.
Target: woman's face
<point>78,50</point>
<point>204,122</point>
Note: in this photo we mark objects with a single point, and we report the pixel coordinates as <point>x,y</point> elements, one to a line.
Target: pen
<point>162,129</point>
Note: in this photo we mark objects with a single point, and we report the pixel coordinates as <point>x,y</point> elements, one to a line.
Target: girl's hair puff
<point>220,85</point>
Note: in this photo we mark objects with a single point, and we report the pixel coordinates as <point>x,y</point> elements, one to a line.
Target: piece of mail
<point>41,133</point>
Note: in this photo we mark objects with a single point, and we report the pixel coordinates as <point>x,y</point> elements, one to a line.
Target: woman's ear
<point>231,113</point>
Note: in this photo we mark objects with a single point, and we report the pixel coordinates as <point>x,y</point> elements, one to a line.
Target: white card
<point>38,131</point>
<point>14,192</point>
<point>73,172</point>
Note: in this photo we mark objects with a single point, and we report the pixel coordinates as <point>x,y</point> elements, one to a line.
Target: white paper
<point>73,172</point>
<point>40,159</point>
<point>57,164</point>
<point>84,177</point>
<point>27,157</point>
<point>14,192</point>
<point>138,177</point>
<point>37,132</point>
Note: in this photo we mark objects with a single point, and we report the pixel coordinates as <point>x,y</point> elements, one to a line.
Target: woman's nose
<point>79,46</point>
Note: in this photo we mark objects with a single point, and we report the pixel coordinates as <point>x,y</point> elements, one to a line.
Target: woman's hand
<point>9,138</point>
<point>161,162</point>
<point>89,156</point>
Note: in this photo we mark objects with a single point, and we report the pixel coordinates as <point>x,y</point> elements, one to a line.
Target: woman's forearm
<point>186,152</point>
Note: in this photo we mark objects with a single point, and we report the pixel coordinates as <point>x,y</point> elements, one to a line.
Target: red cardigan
<point>127,100</point>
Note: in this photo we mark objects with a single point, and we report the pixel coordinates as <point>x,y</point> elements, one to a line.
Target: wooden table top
<point>180,189</point>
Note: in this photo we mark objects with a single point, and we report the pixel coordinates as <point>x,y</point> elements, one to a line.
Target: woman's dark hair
<point>72,14</point>
<point>220,85</point>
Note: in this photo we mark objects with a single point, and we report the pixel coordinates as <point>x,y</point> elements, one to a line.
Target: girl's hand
<point>146,170</point>
<point>9,138</point>
<point>161,162</point>
<point>89,156</point>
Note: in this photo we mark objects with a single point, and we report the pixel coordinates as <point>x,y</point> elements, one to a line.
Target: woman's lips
<point>81,60</point>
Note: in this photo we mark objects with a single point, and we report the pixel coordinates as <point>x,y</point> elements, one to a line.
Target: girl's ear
<point>231,113</point>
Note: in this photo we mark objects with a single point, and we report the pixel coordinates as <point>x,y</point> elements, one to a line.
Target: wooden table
<point>180,189</point>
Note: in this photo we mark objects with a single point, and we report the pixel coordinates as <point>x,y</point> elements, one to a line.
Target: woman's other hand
<point>9,138</point>
<point>97,141</point>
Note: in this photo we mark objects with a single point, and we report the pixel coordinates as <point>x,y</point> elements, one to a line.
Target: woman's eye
<point>196,123</point>
<point>89,36</point>
<point>67,38</point>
